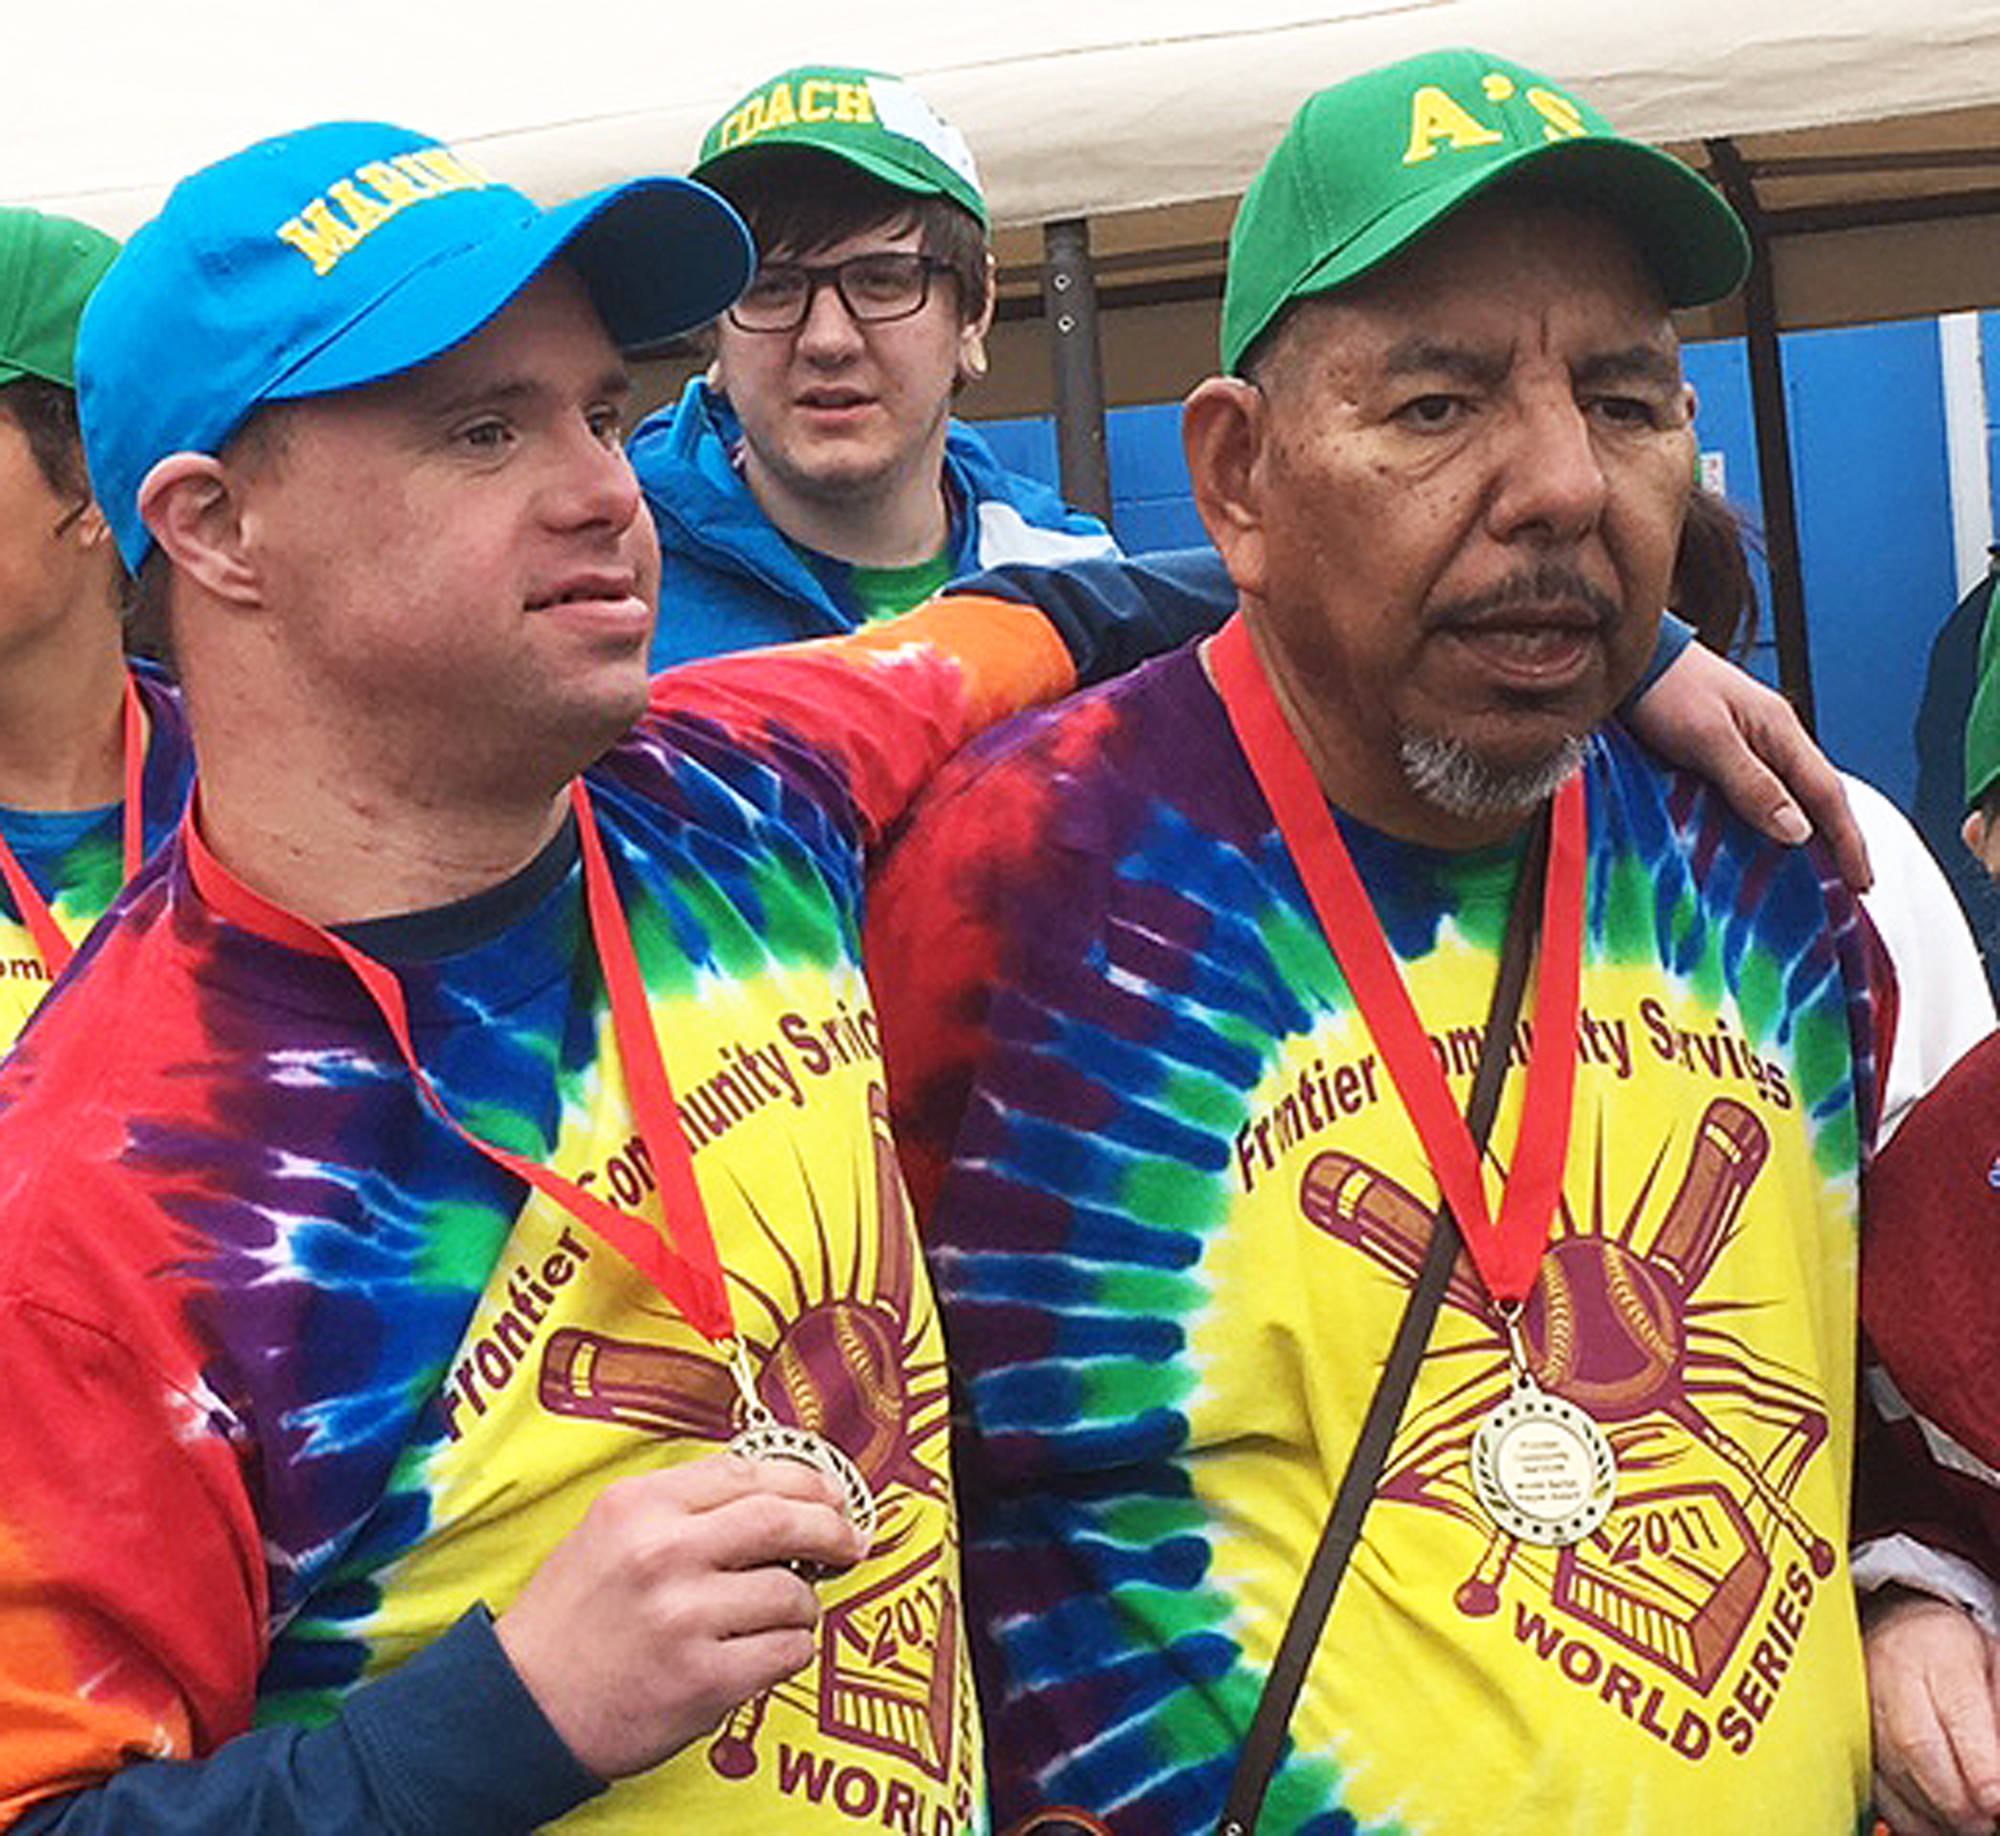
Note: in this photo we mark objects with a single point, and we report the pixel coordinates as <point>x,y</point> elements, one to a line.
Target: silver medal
<point>763,1437</point>
<point>1544,1471</point>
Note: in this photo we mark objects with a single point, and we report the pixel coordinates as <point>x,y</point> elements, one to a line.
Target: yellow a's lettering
<point>367,212</point>
<point>318,235</point>
<point>1564,118</point>
<point>1435,117</point>
<point>778,111</point>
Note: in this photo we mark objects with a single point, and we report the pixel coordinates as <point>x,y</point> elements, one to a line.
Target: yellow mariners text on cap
<point>353,208</point>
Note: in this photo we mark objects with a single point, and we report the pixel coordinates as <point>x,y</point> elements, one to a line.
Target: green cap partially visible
<point>1369,165</point>
<point>1982,720</point>
<point>48,267</point>
<point>873,120</point>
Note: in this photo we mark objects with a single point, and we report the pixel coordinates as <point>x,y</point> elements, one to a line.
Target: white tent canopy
<point>1861,138</point>
<point>1090,111</point>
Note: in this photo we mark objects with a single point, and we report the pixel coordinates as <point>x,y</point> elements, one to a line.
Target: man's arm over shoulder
<point>882,707</point>
<point>1114,611</point>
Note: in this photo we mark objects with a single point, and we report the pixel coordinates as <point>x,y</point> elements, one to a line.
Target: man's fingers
<point>770,1598</point>
<point>1744,737</point>
<point>1964,1707</point>
<point>748,1666</point>
<point>1805,786</point>
<point>1758,794</point>
<point>722,1478</point>
<point>763,1529</point>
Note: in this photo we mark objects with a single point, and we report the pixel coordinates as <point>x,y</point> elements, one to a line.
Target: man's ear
<point>1978,834</point>
<point>1225,426</point>
<point>971,356</point>
<point>193,507</point>
<point>90,527</point>
<point>972,334</point>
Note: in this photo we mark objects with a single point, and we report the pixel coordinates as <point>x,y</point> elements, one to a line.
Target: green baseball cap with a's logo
<point>48,269</point>
<point>872,120</point>
<point>1369,165</point>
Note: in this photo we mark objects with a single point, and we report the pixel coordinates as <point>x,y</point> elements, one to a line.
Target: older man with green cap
<point>1388,1144</point>
<point>815,479</point>
<point>95,762</point>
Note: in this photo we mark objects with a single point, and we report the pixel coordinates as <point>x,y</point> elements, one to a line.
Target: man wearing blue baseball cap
<point>472,1366</point>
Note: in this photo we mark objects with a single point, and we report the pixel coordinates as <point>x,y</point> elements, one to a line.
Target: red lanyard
<point>51,945</point>
<point>683,1264</point>
<point>1506,1254</point>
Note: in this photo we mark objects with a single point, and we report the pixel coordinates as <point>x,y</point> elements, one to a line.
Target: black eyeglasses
<point>892,284</point>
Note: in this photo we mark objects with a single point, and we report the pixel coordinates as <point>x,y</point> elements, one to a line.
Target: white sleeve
<point>1944,1005</point>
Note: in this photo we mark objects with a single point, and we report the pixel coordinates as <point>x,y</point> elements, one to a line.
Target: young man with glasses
<point>814,479</point>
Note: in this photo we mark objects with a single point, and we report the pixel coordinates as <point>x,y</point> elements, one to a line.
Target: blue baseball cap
<point>343,253</point>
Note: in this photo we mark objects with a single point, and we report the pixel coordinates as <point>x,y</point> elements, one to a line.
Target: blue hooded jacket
<point>730,581</point>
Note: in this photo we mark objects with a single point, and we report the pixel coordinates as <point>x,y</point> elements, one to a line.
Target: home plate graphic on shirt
<point>843,1363</point>
<point>1711,1440</point>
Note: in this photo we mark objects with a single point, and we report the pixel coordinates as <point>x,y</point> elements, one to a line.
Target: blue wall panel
<point>1151,506</point>
<point>1869,465</point>
<point>1027,445</point>
<point>1875,524</point>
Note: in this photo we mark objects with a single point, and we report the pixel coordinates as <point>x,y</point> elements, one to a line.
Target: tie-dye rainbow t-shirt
<point>297,1375</point>
<point>1173,1205</point>
<point>77,861</point>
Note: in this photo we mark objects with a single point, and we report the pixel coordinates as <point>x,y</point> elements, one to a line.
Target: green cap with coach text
<point>870,119</point>
<point>48,268</point>
<point>1371,164</point>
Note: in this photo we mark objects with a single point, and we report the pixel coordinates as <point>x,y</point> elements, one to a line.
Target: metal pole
<point>1069,297</point>
<point>1772,419</point>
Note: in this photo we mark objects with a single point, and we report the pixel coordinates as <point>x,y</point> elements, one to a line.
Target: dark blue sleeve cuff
<point>450,1744</point>
<point>1676,634</point>
<point>456,1746</point>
